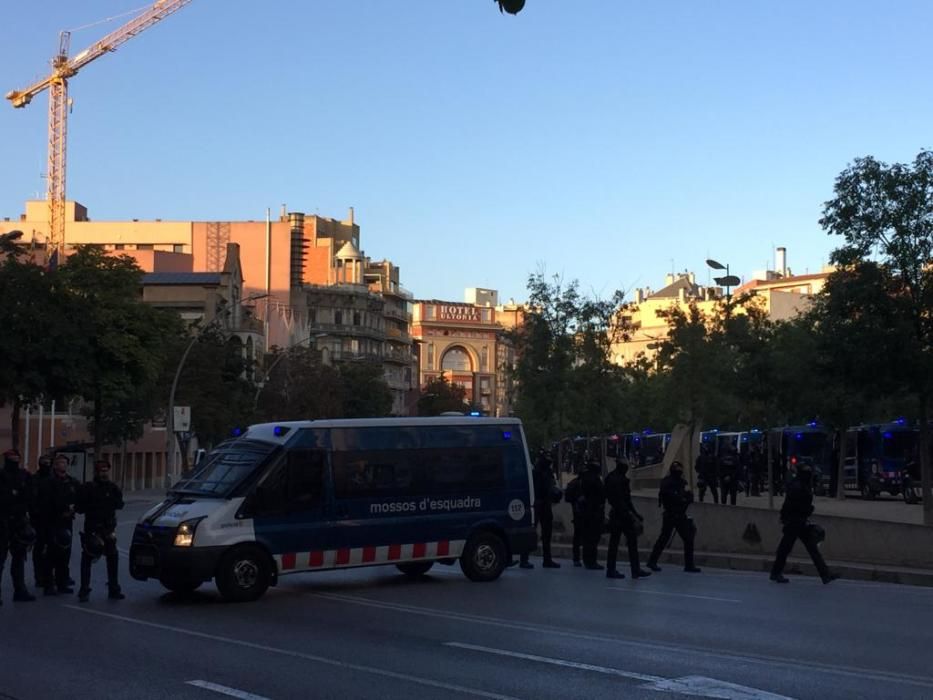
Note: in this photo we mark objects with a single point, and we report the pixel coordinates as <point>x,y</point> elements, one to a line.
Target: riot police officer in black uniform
<point>593,513</point>
<point>797,509</point>
<point>57,508</point>
<point>546,493</point>
<point>100,500</point>
<point>39,480</point>
<point>675,498</point>
<point>728,474</point>
<point>623,519</point>
<point>16,532</point>
<point>707,478</point>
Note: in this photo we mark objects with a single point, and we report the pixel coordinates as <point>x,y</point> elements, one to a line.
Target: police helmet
<point>25,535</point>
<point>62,538</point>
<point>92,544</point>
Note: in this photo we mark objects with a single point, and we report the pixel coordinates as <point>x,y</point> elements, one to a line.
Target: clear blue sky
<point>605,140</point>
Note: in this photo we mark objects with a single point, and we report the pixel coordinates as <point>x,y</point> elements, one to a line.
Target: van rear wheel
<point>244,574</point>
<point>414,569</point>
<point>484,557</point>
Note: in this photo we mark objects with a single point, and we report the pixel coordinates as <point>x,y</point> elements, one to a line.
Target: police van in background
<point>316,495</point>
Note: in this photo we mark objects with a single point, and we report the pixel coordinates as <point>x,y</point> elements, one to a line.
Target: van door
<point>291,508</point>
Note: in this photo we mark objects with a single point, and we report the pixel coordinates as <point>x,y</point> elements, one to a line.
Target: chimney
<point>780,262</point>
<point>668,279</point>
<point>350,217</point>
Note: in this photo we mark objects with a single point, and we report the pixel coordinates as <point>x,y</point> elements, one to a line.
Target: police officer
<point>756,470</point>
<point>99,501</point>
<point>729,474</point>
<point>546,491</point>
<point>706,473</point>
<point>623,519</point>
<point>57,507</point>
<point>593,514</point>
<point>16,532</point>
<point>675,497</point>
<point>40,478</point>
<point>797,508</point>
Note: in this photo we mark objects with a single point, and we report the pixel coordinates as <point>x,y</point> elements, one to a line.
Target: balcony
<point>398,356</point>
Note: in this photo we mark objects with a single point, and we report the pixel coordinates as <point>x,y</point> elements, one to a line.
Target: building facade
<point>467,343</point>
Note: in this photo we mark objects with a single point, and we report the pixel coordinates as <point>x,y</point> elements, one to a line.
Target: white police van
<point>314,495</point>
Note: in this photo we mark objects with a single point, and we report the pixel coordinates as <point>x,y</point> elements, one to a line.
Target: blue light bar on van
<point>888,434</point>
<point>901,421</point>
<point>506,435</point>
<point>280,430</point>
<point>799,436</point>
<point>475,413</point>
<point>813,423</point>
<point>236,432</point>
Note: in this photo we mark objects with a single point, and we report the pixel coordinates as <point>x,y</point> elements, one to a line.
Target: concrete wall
<point>721,529</point>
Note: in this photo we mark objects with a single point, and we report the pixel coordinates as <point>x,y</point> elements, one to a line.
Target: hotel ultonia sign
<point>458,312</point>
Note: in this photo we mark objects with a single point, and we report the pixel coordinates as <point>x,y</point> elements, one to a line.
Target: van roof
<point>268,433</point>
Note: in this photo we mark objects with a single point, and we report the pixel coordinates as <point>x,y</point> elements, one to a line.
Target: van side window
<point>454,471</point>
<point>372,473</point>
<point>305,478</point>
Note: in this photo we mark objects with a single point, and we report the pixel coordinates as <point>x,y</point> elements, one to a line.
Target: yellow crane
<point>64,68</point>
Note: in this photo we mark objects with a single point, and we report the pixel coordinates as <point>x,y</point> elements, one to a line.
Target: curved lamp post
<point>728,281</point>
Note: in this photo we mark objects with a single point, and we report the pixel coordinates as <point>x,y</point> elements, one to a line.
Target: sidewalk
<point>886,508</point>
<point>750,562</point>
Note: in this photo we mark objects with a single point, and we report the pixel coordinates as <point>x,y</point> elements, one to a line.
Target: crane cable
<point>110,19</point>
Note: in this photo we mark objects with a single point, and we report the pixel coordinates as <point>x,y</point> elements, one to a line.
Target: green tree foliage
<point>884,214</point>
<point>123,351</point>
<point>440,396</point>
<point>42,341</point>
<point>299,387</point>
<point>364,390</point>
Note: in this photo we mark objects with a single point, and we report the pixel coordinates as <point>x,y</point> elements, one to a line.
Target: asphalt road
<point>567,633</point>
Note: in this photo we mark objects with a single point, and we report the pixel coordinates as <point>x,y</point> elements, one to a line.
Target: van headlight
<point>184,535</point>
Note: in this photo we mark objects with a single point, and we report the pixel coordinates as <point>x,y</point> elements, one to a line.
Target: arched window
<point>457,360</point>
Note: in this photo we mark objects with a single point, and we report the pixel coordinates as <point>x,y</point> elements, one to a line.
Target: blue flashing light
<point>744,437</point>
<point>280,430</point>
<point>236,432</point>
<point>755,430</point>
<point>506,435</point>
<point>475,414</point>
<point>799,436</point>
<point>888,434</point>
<point>812,424</point>
<point>901,421</point>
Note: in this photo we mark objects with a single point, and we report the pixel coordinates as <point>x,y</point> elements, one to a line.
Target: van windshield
<point>224,469</point>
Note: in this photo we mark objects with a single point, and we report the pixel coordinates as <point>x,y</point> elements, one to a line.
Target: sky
<point>605,141</point>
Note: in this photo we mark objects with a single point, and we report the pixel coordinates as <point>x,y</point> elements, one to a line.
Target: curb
<point>795,565</point>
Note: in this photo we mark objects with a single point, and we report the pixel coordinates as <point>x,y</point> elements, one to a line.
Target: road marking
<point>558,662</point>
<point>767,660</point>
<point>224,690</point>
<point>629,589</point>
<point>698,686</point>
<point>300,655</point>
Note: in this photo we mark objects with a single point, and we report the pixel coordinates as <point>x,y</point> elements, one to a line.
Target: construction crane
<point>64,68</point>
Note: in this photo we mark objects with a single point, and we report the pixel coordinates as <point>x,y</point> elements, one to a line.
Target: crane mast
<point>56,83</point>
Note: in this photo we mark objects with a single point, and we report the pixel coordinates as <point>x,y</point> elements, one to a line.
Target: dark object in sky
<point>513,7</point>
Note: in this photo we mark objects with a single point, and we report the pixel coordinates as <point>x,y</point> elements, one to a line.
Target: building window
<point>338,318</point>
<point>144,246</point>
<point>356,318</point>
<point>457,360</point>
<point>178,248</point>
<point>119,246</point>
<point>429,313</point>
<point>430,357</point>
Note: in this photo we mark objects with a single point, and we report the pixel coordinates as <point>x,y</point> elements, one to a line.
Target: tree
<point>364,390</point>
<point>123,350</point>
<point>884,213</point>
<point>440,396</point>
<point>300,387</point>
<point>41,341</point>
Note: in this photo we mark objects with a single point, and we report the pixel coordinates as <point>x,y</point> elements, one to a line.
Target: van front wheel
<point>243,574</point>
<point>414,569</point>
<point>484,557</point>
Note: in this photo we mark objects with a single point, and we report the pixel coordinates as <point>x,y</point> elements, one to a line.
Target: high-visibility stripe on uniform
<point>361,556</point>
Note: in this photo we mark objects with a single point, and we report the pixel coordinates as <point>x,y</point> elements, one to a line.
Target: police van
<point>305,496</point>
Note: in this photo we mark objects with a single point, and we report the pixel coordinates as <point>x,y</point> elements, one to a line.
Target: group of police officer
<point>723,474</point>
<point>37,514</point>
<point>588,495</point>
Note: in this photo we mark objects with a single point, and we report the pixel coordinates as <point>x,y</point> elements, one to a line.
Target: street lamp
<point>170,415</point>
<point>278,359</point>
<point>728,281</point>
